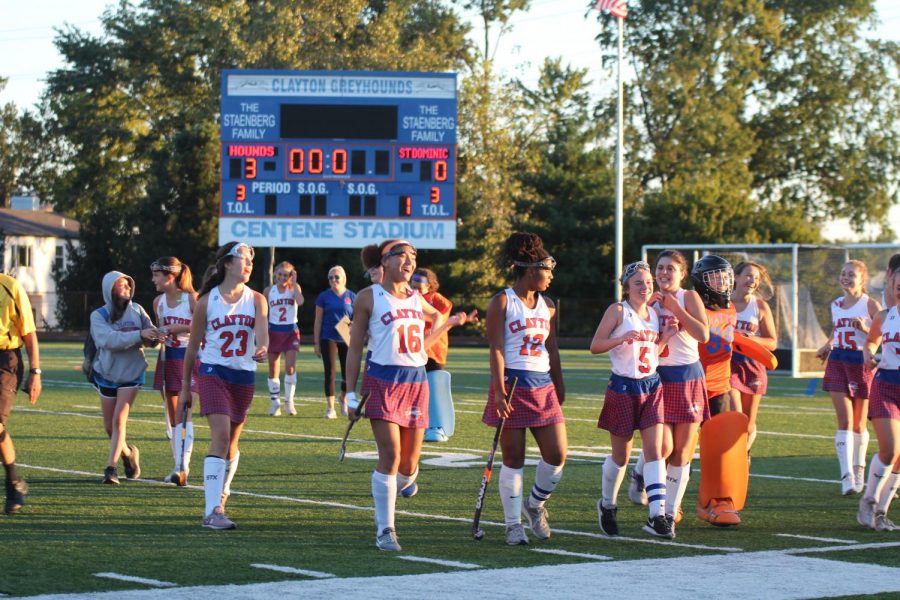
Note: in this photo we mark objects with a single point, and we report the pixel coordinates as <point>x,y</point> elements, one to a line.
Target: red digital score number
<point>407,206</point>
<point>296,161</point>
<point>315,161</point>
<point>241,193</point>
<point>339,162</point>
<point>440,170</point>
<point>249,168</point>
<point>435,195</point>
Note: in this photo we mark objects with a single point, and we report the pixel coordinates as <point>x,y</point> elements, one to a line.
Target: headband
<point>387,249</point>
<point>158,266</point>
<point>419,278</point>
<point>236,249</point>
<point>548,263</point>
<point>632,268</point>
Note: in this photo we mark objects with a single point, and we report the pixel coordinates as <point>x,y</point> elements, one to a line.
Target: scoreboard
<point>338,159</point>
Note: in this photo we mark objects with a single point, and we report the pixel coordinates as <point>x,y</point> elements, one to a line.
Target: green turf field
<point>297,507</point>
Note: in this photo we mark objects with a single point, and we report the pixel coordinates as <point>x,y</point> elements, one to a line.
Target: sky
<point>550,28</point>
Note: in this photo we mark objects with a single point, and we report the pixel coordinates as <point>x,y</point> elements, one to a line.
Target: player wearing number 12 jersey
<point>847,378</point>
<point>231,319</point>
<point>522,338</point>
<point>393,316</point>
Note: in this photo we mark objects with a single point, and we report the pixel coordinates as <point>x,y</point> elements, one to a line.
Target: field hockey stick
<point>161,359</point>
<point>358,412</point>
<point>181,478</point>
<point>478,532</point>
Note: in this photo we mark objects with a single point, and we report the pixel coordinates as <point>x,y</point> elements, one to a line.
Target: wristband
<point>352,402</point>
<point>34,371</point>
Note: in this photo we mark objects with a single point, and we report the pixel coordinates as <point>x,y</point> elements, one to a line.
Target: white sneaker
<point>217,520</point>
<point>847,484</point>
<point>859,478</point>
<point>882,523</point>
<point>537,520</point>
<point>289,407</point>
<point>388,540</point>
<point>275,411</point>
<point>866,514</point>
<point>343,409</point>
<point>515,535</point>
<point>330,414</point>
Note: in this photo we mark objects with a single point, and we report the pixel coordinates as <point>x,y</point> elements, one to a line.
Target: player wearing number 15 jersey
<point>846,378</point>
<point>231,318</point>
<point>393,316</point>
<point>522,338</point>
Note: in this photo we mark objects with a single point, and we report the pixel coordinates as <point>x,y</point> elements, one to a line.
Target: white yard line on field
<point>437,561</point>
<point>292,570</point>
<point>816,539</point>
<point>557,552</point>
<point>848,548</point>
<point>131,579</point>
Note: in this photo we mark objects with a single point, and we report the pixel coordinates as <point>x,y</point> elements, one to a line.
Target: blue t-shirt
<point>334,308</point>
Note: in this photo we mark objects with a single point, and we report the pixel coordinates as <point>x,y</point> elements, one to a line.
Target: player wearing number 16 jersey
<point>231,318</point>
<point>393,316</point>
<point>520,330</point>
<point>847,379</point>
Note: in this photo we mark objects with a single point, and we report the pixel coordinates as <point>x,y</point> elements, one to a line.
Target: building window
<point>21,256</point>
<point>59,262</point>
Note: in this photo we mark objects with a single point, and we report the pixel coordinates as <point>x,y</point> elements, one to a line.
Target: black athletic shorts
<point>12,370</point>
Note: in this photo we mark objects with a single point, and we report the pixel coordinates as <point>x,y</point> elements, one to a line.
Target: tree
<point>10,130</point>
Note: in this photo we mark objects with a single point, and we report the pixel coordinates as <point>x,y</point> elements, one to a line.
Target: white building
<point>34,247</point>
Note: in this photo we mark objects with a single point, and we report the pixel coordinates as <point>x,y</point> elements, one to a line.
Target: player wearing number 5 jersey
<point>847,378</point>
<point>231,319</point>
<point>285,298</point>
<point>630,332</point>
<point>393,316</point>
<point>522,338</point>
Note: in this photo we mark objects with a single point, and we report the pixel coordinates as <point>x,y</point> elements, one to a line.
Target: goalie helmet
<point>713,279</point>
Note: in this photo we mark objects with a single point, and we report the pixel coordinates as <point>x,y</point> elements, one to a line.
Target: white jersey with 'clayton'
<point>890,341</point>
<point>525,334</point>
<point>180,315</point>
<point>748,319</point>
<point>637,359</point>
<point>396,330</point>
<point>846,335</point>
<point>282,306</point>
<point>682,348</point>
<point>230,340</point>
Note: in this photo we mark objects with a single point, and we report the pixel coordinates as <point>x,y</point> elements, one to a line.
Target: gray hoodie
<point>120,353</point>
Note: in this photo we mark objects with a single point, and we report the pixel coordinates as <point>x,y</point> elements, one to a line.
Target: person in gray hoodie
<point>120,329</point>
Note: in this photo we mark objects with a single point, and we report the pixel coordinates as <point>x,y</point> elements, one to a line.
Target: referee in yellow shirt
<point>16,330</point>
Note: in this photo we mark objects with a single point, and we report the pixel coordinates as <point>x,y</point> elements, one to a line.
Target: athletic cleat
<point>410,490</point>
<point>636,492</point>
<point>171,477</point>
<point>388,540</point>
<point>289,408</point>
<point>659,526</point>
<point>608,523</point>
<point>132,463</point>
<point>866,514</point>
<point>217,520</point>
<point>859,478</point>
<point>882,523</point>
<point>515,535</point>
<point>15,496</point>
<point>847,484</point>
<point>275,411</point>
<point>671,521</point>
<point>111,476</point>
<point>330,414</point>
<point>719,512</point>
<point>344,408</point>
<point>537,520</point>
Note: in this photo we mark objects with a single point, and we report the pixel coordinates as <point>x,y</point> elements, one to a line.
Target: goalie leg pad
<point>724,469</point>
<point>441,416</point>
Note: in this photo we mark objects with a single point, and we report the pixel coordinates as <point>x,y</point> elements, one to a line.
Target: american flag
<point>617,8</point>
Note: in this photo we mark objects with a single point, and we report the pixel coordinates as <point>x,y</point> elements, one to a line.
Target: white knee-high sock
<point>384,493</point>
<point>511,494</point>
<point>188,445</point>
<point>230,471</point>
<point>613,475</point>
<point>844,450</point>
<point>176,444</point>
<point>290,387</point>
<point>676,484</point>
<point>546,477</point>
<point>751,437</point>
<point>655,484</point>
<point>639,464</point>
<point>878,477</point>
<point>213,481</point>
<point>860,447</point>
<point>887,493</point>
<point>274,388</point>
<point>404,481</point>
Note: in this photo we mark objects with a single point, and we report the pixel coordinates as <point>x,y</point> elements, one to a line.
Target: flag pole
<point>619,143</point>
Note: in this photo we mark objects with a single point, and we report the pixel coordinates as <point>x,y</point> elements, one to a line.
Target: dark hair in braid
<point>522,247</point>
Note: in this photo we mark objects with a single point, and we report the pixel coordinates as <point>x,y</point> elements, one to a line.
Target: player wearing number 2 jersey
<point>285,298</point>
<point>393,316</point>
<point>522,338</point>
<point>231,319</point>
<point>630,332</point>
<point>847,379</point>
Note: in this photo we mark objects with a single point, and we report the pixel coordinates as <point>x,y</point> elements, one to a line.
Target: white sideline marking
<point>132,579</point>
<point>292,570</point>
<point>575,554</point>
<point>816,539</point>
<point>408,513</point>
<point>763,575</point>
<point>438,561</point>
<point>872,546</point>
<point>800,435</point>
